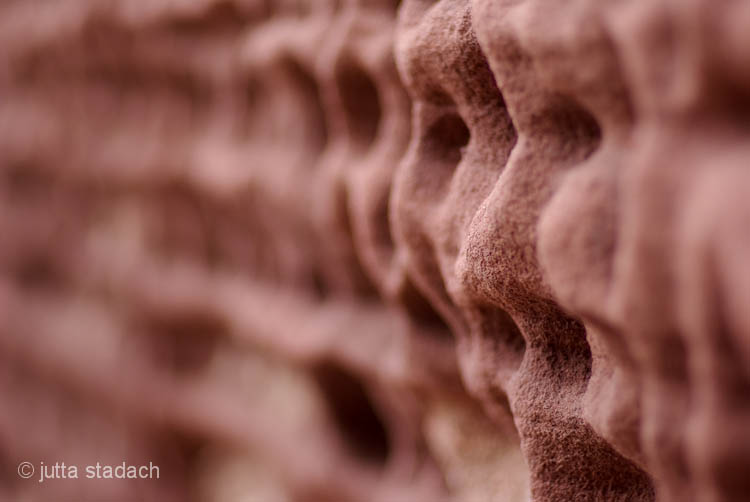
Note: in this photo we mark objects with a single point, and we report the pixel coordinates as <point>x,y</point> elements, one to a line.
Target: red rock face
<point>370,250</point>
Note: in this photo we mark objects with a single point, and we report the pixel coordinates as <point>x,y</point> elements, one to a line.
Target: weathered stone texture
<point>370,250</point>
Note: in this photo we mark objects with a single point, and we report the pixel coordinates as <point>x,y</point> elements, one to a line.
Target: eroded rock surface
<point>370,250</point>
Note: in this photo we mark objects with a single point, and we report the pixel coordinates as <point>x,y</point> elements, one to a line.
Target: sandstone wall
<point>371,250</point>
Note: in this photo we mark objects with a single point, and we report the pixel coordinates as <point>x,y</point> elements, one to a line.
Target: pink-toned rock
<point>370,250</point>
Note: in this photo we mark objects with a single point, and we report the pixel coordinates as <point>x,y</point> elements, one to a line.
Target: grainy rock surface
<point>382,251</point>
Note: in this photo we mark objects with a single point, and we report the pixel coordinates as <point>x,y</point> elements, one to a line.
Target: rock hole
<point>39,270</point>
<point>446,139</point>
<point>313,110</point>
<point>354,413</point>
<point>183,342</point>
<point>318,285</point>
<point>383,235</point>
<point>362,283</point>
<point>221,18</point>
<point>180,224</point>
<point>359,97</point>
<point>421,312</point>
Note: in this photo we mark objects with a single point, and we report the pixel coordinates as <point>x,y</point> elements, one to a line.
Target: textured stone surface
<point>370,250</point>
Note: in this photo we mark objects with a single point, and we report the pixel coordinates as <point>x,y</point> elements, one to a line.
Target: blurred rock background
<point>370,250</point>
